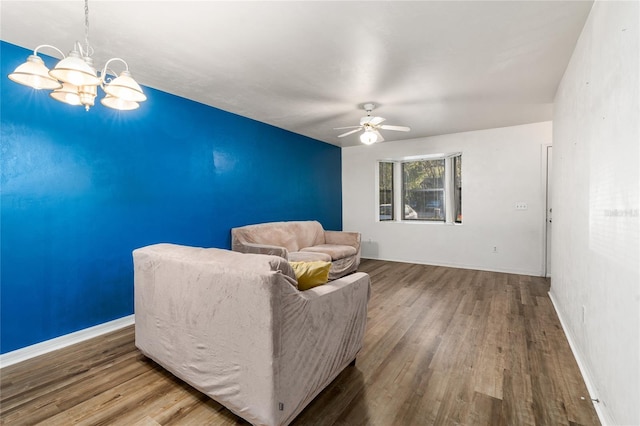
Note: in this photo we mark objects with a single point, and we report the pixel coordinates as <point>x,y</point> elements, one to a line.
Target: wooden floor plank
<point>442,346</point>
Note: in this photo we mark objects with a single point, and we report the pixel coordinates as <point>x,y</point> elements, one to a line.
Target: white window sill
<point>420,222</point>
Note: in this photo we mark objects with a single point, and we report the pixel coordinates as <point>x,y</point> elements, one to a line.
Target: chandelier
<point>75,81</point>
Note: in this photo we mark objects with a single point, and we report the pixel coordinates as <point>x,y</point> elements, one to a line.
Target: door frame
<point>545,185</point>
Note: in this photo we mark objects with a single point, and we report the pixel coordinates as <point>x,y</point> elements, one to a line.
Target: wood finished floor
<point>443,346</point>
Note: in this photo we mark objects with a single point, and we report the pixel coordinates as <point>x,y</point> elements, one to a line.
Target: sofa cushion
<point>311,274</point>
<point>308,256</point>
<point>276,235</point>
<point>336,251</point>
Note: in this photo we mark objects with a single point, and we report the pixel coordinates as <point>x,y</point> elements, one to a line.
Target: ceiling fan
<point>371,127</point>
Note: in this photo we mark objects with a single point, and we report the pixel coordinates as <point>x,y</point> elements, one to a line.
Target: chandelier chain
<point>86,27</point>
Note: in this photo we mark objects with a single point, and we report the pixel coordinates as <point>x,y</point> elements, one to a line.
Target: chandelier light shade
<point>125,87</point>
<point>75,81</point>
<point>34,73</point>
<point>119,103</point>
<point>75,70</point>
<point>68,94</point>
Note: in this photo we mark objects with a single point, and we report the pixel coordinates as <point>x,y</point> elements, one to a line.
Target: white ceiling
<point>308,66</point>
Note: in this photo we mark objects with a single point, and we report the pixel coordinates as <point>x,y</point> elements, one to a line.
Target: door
<point>549,212</point>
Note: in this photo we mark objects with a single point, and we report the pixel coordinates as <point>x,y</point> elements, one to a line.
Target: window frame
<point>451,194</point>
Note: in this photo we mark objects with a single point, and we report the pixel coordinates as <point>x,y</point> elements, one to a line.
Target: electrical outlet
<point>521,205</point>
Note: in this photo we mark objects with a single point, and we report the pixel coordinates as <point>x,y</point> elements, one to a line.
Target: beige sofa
<point>301,241</point>
<point>235,327</point>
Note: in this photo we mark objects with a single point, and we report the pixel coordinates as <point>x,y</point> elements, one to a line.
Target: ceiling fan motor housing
<point>369,107</point>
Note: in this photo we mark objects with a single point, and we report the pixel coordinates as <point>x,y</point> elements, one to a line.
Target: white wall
<point>499,168</point>
<point>596,225</point>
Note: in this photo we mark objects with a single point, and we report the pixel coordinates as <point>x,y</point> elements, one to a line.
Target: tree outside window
<point>386,191</point>
<point>424,189</point>
<point>457,187</point>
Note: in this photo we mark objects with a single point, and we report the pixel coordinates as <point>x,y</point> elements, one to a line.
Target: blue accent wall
<point>80,190</point>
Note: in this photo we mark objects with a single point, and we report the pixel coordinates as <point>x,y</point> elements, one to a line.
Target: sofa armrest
<point>261,249</point>
<point>322,332</point>
<point>343,238</point>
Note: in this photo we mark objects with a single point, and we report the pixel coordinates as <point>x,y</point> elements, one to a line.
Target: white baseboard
<point>47,346</point>
<point>460,266</point>
<point>603,415</point>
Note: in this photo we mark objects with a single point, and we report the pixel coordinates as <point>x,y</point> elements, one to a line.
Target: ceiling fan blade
<point>348,127</point>
<point>350,132</point>
<point>397,128</point>
<point>376,120</point>
<point>380,138</point>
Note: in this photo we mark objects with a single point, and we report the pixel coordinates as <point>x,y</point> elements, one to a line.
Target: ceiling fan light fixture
<point>368,137</point>
<point>370,126</point>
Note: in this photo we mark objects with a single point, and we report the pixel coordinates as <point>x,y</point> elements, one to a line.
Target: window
<point>428,188</point>
<point>423,190</point>
<point>385,183</point>
<point>457,187</point>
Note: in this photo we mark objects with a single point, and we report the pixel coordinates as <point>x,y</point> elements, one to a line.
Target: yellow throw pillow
<point>311,274</point>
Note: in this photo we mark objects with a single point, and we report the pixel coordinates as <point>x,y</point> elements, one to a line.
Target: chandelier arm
<point>103,76</point>
<point>35,51</point>
<point>85,51</point>
<point>104,69</point>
